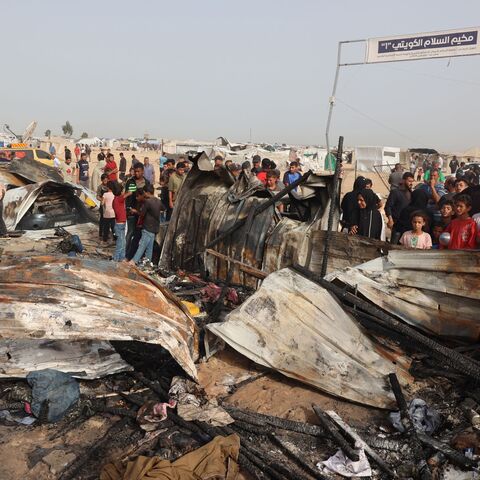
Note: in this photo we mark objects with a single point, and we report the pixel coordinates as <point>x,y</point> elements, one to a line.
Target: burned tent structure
<point>436,291</point>
<point>80,299</point>
<point>37,198</point>
<point>211,202</point>
<point>299,329</point>
<point>44,205</point>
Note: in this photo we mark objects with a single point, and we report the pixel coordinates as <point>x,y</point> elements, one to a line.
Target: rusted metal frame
<point>254,272</point>
<point>247,237</point>
<point>356,438</point>
<point>421,463</point>
<point>191,233</point>
<point>335,434</point>
<point>333,203</point>
<point>457,361</point>
<point>261,208</point>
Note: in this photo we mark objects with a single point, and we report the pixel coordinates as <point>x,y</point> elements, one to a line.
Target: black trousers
<point>3,227</point>
<point>131,224</point>
<point>108,224</point>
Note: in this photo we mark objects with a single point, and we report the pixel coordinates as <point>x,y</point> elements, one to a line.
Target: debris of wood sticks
<point>420,458</point>
<point>359,441</point>
<point>335,434</point>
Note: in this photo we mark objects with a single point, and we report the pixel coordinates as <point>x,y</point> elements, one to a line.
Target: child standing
<point>437,230</point>
<point>447,213</point>
<point>102,188</point>
<point>120,222</point>
<point>416,237</point>
<point>108,212</point>
<point>462,229</point>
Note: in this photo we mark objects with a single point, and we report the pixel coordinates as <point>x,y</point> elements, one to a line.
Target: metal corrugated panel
<point>203,210</point>
<point>437,291</point>
<point>298,328</point>
<point>76,299</point>
<point>209,203</point>
<point>87,359</point>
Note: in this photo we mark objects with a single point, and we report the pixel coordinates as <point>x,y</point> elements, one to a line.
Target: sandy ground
<point>273,393</point>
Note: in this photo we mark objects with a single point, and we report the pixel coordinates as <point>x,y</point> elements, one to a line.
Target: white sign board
<point>449,43</point>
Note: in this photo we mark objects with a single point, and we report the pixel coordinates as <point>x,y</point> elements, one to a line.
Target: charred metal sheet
<point>78,299</point>
<point>34,171</point>
<point>10,179</point>
<point>303,244</point>
<point>43,242</point>
<point>17,201</point>
<point>437,291</point>
<point>299,329</point>
<point>210,202</point>
<point>20,201</point>
<point>87,359</point>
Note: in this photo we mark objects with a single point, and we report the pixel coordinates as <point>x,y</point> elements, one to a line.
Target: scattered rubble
<point>237,367</point>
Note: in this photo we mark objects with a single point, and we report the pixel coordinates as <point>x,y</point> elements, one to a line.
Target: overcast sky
<point>200,69</point>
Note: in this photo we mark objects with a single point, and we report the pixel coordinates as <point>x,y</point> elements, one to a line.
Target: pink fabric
<point>424,241</point>
<point>108,211</point>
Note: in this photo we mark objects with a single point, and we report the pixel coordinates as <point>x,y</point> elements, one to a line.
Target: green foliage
<point>67,129</point>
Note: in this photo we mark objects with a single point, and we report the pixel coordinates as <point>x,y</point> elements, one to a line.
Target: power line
<point>376,121</point>
<point>431,75</point>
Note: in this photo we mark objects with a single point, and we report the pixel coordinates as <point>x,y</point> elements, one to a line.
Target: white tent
<point>93,141</point>
<point>375,159</point>
<point>472,153</point>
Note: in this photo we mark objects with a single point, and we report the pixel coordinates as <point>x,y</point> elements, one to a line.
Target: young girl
<point>416,237</point>
<point>120,222</point>
<point>108,212</point>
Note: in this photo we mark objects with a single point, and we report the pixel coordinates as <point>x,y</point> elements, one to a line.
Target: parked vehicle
<point>30,153</point>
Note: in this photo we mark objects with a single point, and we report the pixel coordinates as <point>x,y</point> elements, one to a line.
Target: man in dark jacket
<point>131,186</point>
<point>122,167</point>
<point>398,199</point>
<point>151,209</point>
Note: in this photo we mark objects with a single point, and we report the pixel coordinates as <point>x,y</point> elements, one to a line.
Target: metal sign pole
<point>335,83</point>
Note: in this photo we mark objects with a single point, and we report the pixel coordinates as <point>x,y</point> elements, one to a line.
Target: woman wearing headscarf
<point>419,201</point>
<point>349,205</point>
<point>370,222</point>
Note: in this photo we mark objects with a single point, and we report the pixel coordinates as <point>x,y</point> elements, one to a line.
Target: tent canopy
<point>473,152</point>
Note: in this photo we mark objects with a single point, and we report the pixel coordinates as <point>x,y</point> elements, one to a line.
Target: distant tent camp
<point>472,153</point>
<point>94,141</point>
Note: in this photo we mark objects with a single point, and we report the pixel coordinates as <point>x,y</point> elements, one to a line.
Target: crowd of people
<point>131,212</point>
<point>430,211</point>
<point>424,209</point>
